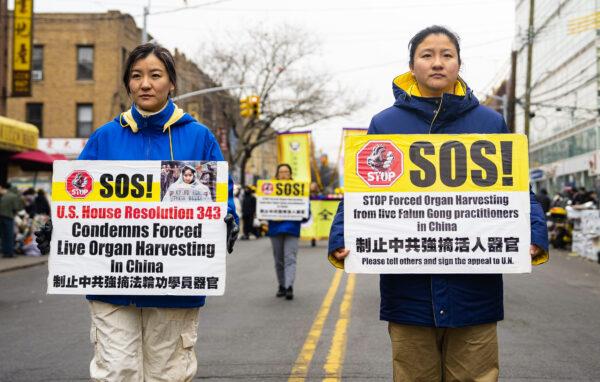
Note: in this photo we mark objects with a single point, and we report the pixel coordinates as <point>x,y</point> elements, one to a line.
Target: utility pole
<point>3,55</point>
<point>145,30</point>
<point>510,91</point>
<point>527,105</point>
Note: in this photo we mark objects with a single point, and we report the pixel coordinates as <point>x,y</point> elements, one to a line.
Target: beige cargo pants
<point>444,354</point>
<point>143,344</point>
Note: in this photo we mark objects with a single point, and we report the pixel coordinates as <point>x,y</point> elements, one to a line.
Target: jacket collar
<point>408,84</point>
<point>158,122</point>
<point>408,96</point>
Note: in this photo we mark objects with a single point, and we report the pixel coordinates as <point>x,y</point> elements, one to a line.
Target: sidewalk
<point>21,262</point>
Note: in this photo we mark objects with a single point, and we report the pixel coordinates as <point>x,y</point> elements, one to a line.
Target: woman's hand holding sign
<point>340,253</point>
<point>232,232</point>
<point>43,237</point>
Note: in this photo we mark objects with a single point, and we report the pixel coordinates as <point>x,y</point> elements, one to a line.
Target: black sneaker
<point>289,293</point>
<point>280,292</point>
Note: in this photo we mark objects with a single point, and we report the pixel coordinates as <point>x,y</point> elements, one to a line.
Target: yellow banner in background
<point>322,214</point>
<point>22,46</point>
<point>436,162</point>
<point>294,149</point>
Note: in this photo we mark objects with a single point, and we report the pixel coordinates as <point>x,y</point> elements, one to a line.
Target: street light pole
<point>530,36</point>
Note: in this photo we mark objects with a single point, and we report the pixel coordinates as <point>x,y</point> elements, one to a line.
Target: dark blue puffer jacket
<point>132,136</point>
<point>452,300</point>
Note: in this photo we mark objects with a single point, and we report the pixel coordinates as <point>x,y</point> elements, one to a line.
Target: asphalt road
<point>331,328</point>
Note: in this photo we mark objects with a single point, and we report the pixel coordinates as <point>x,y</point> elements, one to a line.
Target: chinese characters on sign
<point>282,200</point>
<point>437,204</point>
<point>22,47</point>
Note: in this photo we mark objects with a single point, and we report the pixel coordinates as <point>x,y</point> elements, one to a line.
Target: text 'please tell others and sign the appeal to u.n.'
<point>437,204</point>
<point>138,228</point>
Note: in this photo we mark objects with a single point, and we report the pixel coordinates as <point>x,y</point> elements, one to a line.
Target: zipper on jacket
<point>436,113</point>
<point>432,304</point>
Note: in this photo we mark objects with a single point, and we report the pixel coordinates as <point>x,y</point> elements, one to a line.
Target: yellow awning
<point>17,136</point>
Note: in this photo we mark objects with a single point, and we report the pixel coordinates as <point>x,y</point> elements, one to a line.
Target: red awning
<point>36,160</point>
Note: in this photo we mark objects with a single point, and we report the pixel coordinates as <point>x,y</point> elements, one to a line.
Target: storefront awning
<point>17,136</point>
<point>36,160</point>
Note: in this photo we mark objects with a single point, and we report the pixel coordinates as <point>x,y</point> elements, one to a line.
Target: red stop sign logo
<point>379,163</point>
<point>79,184</point>
<point>267,188</point>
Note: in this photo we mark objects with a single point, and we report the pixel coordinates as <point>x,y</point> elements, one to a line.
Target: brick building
<point>78,61</point>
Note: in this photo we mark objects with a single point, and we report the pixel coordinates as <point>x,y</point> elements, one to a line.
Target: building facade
<point>564,133</point>
<point>78,61</point>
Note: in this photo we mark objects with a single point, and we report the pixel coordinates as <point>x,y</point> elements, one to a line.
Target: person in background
<point>236,199</point>
<point>249,214</point>
<point>581,196</point>
<point>42,206</point>
<point>443,327</point>
<point>149,338</point>
<point>544,200</point>
<point>10,204</point>
<point>284,239</point>
<point>29,201</point>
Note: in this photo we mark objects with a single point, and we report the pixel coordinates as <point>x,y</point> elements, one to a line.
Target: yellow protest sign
<point>282,200</point>
<point>138,228</point>
<point>437,204</point>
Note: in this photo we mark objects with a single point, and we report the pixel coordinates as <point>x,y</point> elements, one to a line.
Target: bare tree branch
<point>277,63</point>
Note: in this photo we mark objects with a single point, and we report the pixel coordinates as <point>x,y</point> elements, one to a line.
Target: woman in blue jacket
<point>442,327</point>
<point>284,239</point>
<point>143,338</point>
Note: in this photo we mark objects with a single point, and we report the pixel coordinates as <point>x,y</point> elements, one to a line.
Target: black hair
<point>143,51</point>
<point>424,33</point>
<point>280,165</point>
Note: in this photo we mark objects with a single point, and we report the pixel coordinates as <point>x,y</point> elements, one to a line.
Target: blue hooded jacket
<point>452,300</point>
<point>132,136</point>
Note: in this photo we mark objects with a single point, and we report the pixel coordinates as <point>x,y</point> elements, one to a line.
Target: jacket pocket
<point>188,340</point>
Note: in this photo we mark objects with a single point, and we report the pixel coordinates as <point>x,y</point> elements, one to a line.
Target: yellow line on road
<point>337,350</point>
<point>300,368</point>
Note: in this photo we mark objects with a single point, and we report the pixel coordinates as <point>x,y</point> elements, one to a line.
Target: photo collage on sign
<point>188,181</point>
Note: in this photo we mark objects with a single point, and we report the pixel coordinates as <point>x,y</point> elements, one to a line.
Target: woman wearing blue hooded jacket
<point>442,327</point>
<point>149,338</point>
<point>284,236</point>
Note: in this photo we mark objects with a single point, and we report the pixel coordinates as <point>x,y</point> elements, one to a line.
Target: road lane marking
<point>300,368</point>
<point>337,350</point>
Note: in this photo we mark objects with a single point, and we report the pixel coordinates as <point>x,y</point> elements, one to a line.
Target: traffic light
<point>250,106</point>
<point>245,110</point>
<point>254,105</point>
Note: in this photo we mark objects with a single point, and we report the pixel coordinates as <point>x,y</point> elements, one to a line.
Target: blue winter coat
<point>452,300</point>
<point>132,136</point>
<point>284,227</point>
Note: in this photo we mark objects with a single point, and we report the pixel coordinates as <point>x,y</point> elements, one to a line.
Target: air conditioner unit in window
<point>36,75</point>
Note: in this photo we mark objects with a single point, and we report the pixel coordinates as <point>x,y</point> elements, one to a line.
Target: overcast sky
<point>364,43</point>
